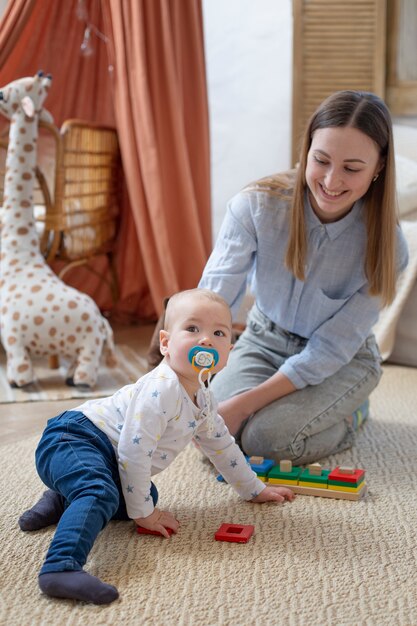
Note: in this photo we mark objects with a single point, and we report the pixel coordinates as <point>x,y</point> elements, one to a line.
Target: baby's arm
<point>274,494</point>
<point>232,464</point>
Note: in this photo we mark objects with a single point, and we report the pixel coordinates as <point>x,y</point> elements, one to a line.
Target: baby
<point>98,459</point>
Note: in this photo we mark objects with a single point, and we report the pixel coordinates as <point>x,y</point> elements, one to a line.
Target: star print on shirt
<point>150,453</point>
<point>155,393</point>
<point>119,426</point>
<point>164,456</point>
<point>129,489</point>
<point>191,424</point>
<point>136,439</point>
<point>233,463</point>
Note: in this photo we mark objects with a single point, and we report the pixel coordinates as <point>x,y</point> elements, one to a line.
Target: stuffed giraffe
<point>40,315</point>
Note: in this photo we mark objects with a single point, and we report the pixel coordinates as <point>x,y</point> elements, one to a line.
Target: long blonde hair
<point>368,113</point>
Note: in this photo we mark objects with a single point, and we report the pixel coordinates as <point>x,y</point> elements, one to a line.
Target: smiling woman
<point>341,164</point>
<point>322,249</point>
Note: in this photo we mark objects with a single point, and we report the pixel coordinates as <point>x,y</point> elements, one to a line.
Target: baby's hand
<point>160,521</point>
<point>277,494</point>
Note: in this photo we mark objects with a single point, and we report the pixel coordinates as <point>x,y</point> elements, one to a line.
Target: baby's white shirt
<point>150,422</point>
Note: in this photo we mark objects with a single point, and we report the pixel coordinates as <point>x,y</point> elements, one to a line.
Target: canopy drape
<point>146,77</point>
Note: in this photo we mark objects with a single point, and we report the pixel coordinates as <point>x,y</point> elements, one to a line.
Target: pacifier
<point>201,357</point>
<point>203,360</point>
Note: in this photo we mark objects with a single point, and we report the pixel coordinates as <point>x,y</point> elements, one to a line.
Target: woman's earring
<point>375,178</point>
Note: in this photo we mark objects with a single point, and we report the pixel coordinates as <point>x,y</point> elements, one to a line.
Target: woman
<point>322,249</point>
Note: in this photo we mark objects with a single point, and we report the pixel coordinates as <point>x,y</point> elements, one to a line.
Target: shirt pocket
<point>323,308</point>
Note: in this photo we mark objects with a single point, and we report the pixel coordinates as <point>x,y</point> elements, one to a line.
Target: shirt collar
<point>333,229</point>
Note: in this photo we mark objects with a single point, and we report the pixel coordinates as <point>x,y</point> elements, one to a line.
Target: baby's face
<point>196,321</point>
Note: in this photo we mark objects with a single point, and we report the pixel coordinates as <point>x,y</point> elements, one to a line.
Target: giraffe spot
<point>4,310</point>
<point>22,159</point>
<point>67,319</point>
<point>71,339</point>
<point>19,188</point>
<point>50,297</point>
<point>52,331</point>
<point>28,147</point>
<point>22,230</point>
<point>30,302</point>
<point>15,106</point>
<point>72,304</point>
<point>26,176</point>
<point>35,288</point>
<point>22,130</point>
<point>89,329</point>
<point>38,320</point>
<point>11,340</point>
<point>12,287</point>
<point>23,368</point>
<point>24,327</point>
<point>55,307</point>
<point>85,317</point>
<point>52,346</point>
<point>16,315</point>
<point>14,261</point>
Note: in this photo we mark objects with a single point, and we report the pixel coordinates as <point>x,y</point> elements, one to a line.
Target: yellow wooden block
<point>304,483</point>
<point>282,481</point>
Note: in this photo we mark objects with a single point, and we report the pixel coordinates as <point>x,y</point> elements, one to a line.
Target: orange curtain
<point>148,80</point>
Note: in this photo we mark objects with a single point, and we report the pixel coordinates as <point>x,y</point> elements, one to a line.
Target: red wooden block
<point>346,478</point>
<point>236,533</point>
<point>146,531</point>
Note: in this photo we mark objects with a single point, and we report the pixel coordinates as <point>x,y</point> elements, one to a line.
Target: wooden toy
<point>257,460</point>
<point>145,531</point>
<point>236,533</point>
<point>345,483</point>
<point>261,469</point>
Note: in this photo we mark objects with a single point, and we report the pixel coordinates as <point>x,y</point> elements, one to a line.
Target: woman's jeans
<point>310,423</point>
<point>77,460</point>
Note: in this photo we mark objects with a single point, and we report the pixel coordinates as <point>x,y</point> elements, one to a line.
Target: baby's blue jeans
<point>77,460</point>
<point>310,423</point>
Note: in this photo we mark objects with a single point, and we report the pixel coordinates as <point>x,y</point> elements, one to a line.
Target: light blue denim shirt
<point>331,308</point>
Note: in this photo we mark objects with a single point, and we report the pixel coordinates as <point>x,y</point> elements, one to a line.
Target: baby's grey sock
<point>47,511</point>
<point>77,585</point>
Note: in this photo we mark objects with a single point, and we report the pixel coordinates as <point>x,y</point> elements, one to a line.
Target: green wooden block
<point>291,476</point>
<point>310,478</point>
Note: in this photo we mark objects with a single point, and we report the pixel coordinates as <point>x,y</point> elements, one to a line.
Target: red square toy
<point>236,533</point>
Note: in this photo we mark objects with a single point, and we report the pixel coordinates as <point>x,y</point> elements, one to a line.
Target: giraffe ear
<point>28,106</point>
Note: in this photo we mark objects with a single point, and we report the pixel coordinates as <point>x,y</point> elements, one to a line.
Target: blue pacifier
<point>203,358</point>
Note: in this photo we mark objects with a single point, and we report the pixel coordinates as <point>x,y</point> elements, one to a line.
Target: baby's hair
<point>175,299</point>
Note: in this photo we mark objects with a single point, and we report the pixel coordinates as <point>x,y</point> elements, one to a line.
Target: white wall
<point>249,68</point>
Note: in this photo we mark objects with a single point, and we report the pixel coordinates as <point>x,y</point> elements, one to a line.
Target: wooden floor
<point>24,419</point>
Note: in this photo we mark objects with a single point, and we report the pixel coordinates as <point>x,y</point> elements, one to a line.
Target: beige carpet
<point>50,383</point>
<point>314,562</point>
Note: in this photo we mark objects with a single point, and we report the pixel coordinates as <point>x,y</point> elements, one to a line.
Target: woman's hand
<point>274,494</point>
<point>159,521</point>
<point>234,413</point>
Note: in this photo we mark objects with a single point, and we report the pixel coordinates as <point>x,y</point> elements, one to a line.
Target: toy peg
<point>256,460</point>
<point>285,465</point>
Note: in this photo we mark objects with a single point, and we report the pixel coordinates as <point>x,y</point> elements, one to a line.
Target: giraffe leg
<point>87,366</point>
<point>19,367</point>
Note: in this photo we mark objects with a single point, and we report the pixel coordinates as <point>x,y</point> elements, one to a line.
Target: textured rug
<point>315,562</point>
<point>50,383</point>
